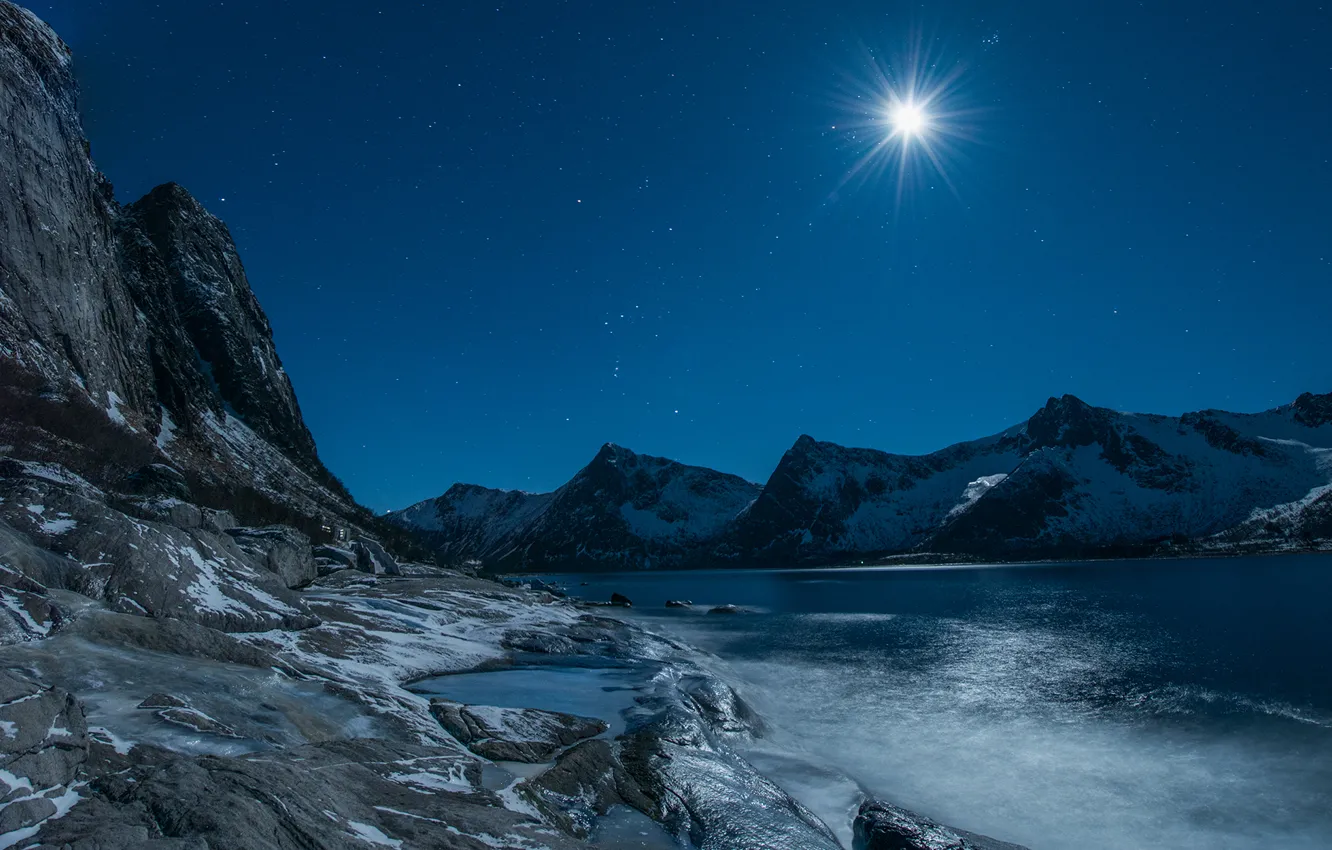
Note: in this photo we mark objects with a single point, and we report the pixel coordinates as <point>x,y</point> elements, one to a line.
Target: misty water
<point>1182,704</point>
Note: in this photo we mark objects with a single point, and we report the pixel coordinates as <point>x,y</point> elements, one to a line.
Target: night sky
<point>492,236</point>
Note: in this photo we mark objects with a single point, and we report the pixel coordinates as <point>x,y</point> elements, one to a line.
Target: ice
<point>624,828</point>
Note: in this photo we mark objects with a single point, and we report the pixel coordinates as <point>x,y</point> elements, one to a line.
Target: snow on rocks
<point>147,566</point>
<point>45,742</point>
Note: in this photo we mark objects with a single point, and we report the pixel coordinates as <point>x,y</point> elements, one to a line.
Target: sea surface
<point>1171,704</point>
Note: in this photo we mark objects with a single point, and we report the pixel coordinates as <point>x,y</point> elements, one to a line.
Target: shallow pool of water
<point>601,692</point>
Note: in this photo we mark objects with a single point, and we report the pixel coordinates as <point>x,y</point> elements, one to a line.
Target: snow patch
<point>111,739</point>
<point>113,413</point>
<point>371,835</point>
<point>168,432</point>
<point>58,526</point>
<point>975,490</point>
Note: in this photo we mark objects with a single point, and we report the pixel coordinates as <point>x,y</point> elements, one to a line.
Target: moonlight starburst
<point>909,120</point>
<point>905,119</point>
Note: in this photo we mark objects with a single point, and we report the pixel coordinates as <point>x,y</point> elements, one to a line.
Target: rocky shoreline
<point>224,687</point>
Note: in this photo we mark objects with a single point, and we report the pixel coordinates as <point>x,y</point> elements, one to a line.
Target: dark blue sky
<point>492,236</point>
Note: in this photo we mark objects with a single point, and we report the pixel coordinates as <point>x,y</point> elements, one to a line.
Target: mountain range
<point>1073,481</point>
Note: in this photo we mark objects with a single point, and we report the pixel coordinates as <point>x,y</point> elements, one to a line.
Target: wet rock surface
<point>583,785</point>
<point>882,826</point>
<point>513,734</point>
<point>337,794</point>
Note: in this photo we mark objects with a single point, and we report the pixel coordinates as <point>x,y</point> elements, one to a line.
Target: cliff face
<point>143,312</point>
<point>64,310</point>
<point>221,317</point>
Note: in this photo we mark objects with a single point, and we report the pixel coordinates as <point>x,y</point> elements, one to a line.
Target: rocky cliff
<point>141,313</point>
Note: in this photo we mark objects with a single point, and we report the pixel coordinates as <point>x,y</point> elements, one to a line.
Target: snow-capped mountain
<point>621,511</point>
<point>1096,482</point>
<point>825,500</point>
<point>1072,481</point>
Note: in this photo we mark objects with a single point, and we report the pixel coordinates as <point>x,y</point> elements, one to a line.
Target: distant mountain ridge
<point>1072,481</point>
<point>621,511</point>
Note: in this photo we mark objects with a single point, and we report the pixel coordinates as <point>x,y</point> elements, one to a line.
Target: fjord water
<point>1181,704</point>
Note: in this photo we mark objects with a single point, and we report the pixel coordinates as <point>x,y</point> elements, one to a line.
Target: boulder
<point>26,611</point>
<point>583,784</point>
<point>678,603</point>
<point>513,734</point>
<point>621,600</point>
<point>44,568</point>
<point>282,549</point>
<point>344,558</point>
<point>25,813</point>
<point>373,558</point>
<point>725,609</point>
<point>197,721</point>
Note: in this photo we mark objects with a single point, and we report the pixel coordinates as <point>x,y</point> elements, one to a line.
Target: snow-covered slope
<point>825,499</point>
<point>1094,481</point>
<point>621,511</point>
<point>471,522</point>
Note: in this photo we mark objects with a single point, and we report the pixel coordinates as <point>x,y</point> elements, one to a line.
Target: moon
<point>909,119</point>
